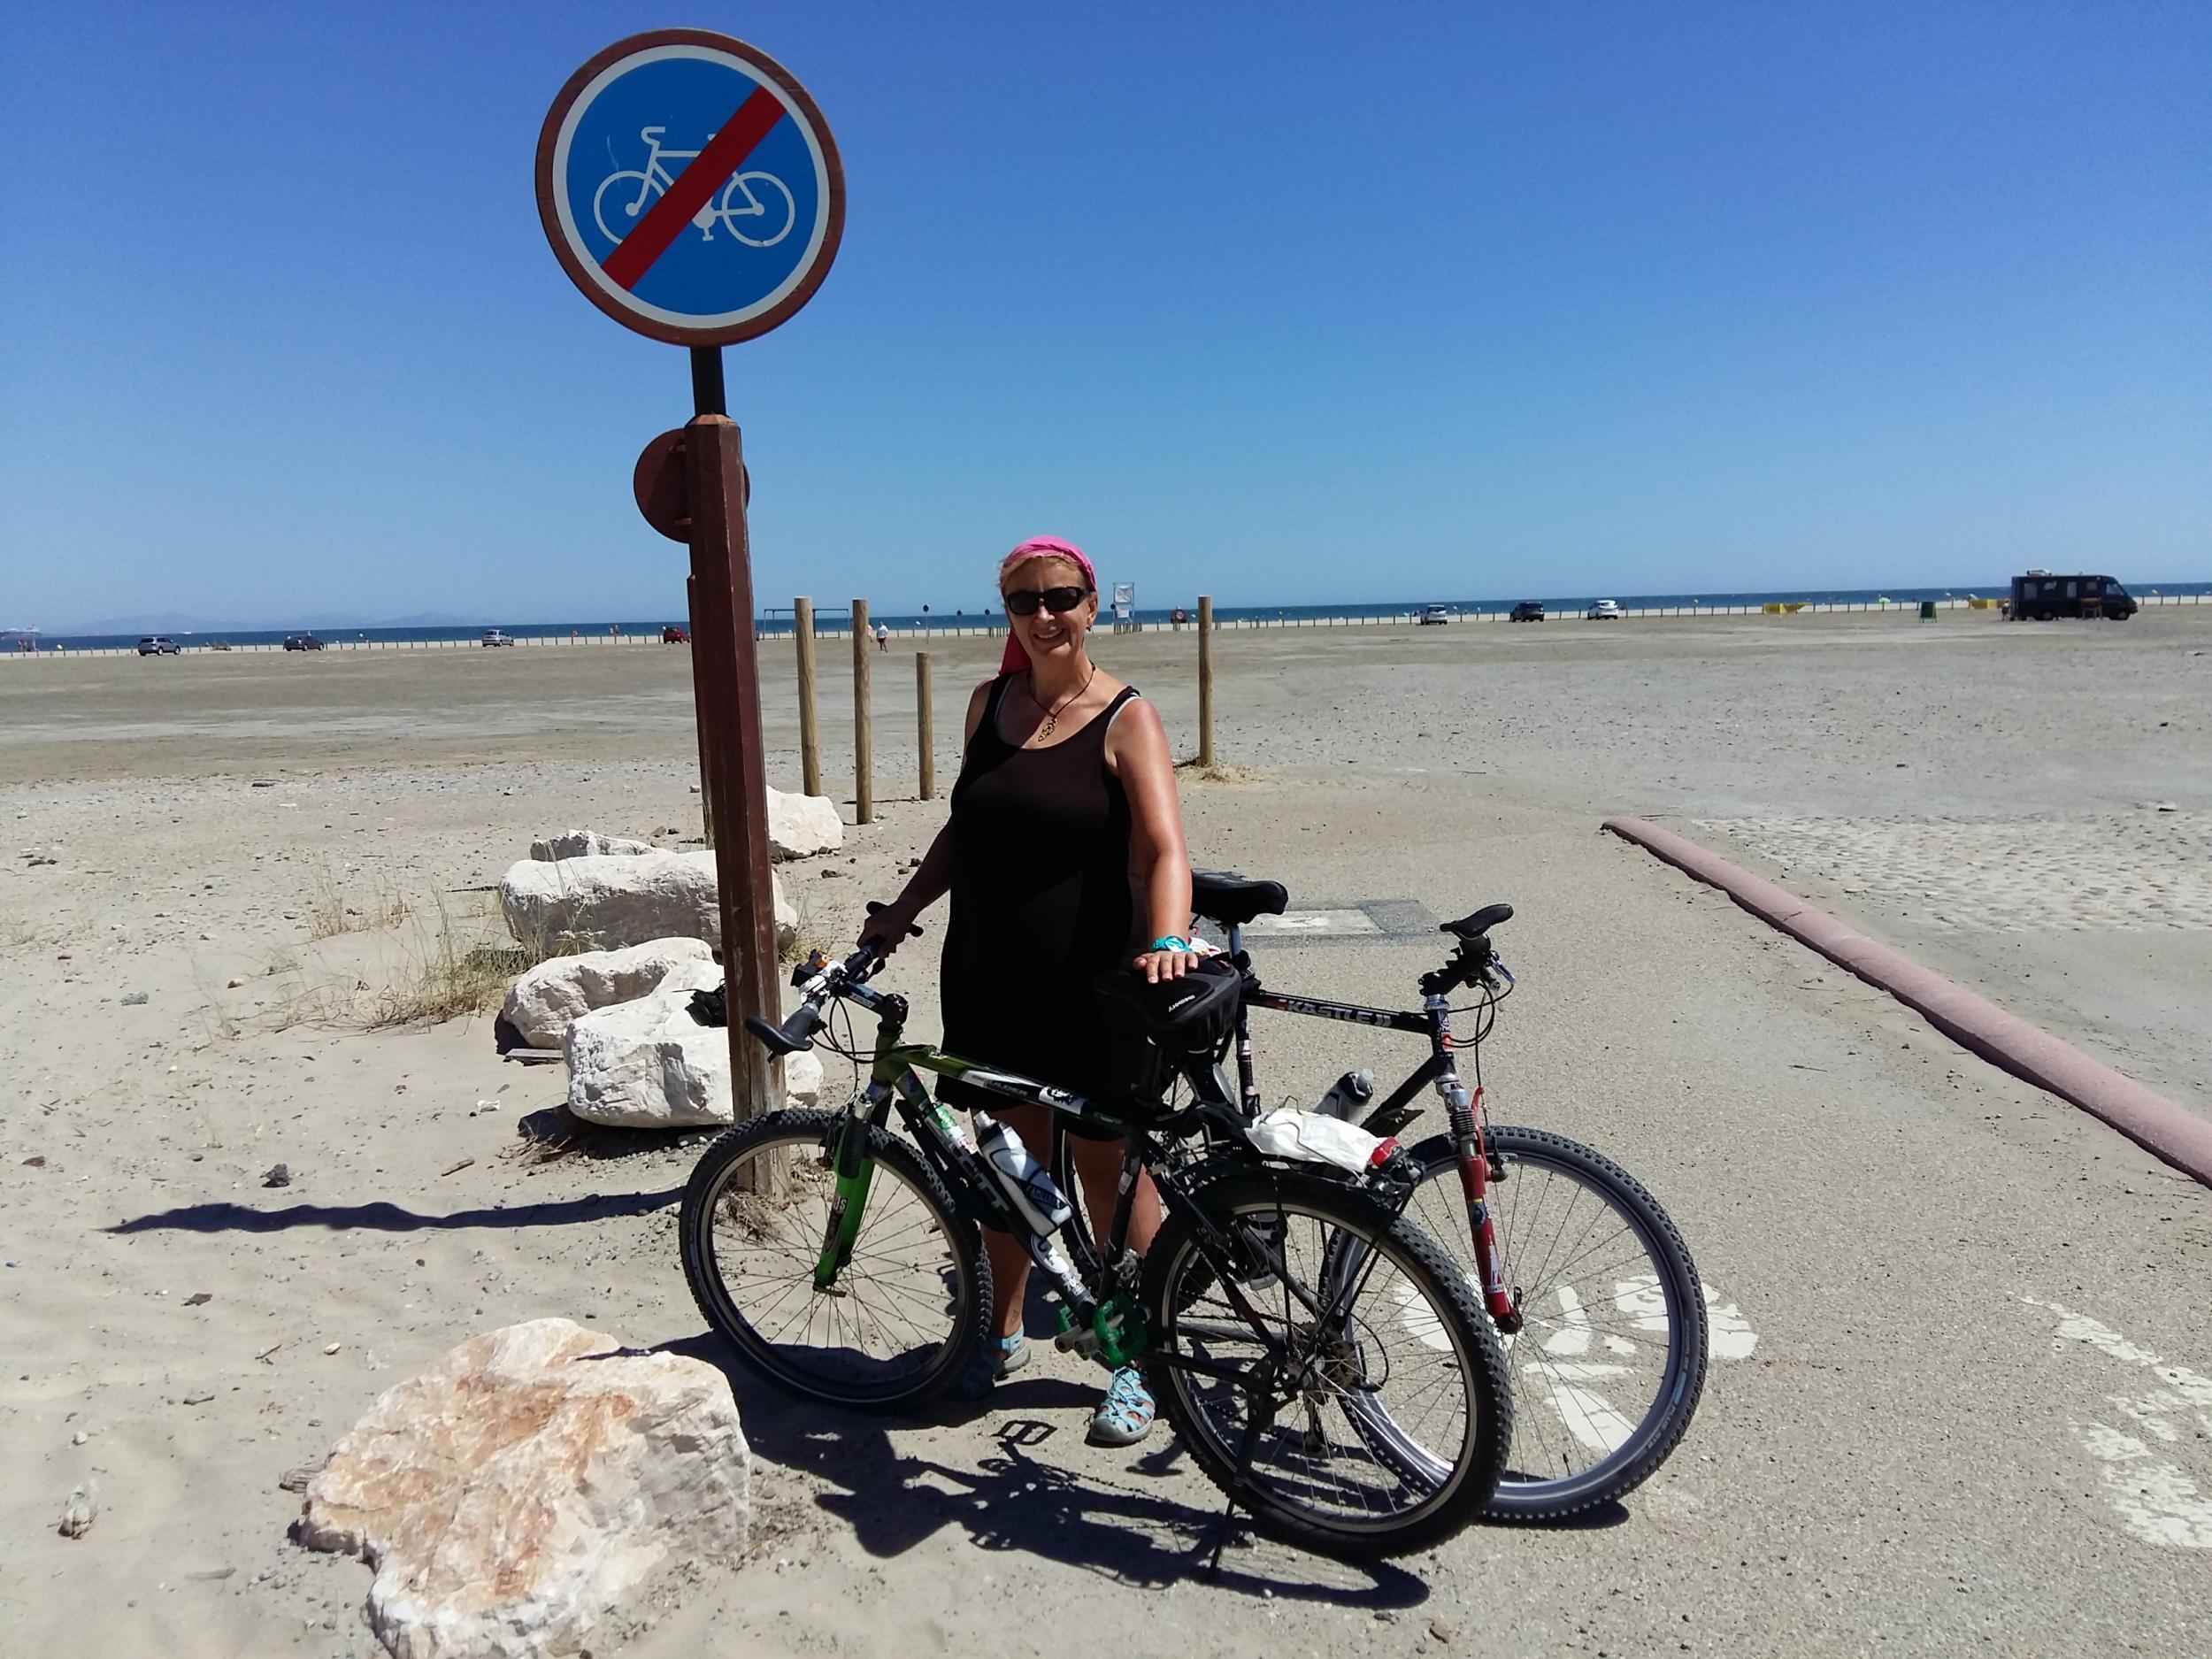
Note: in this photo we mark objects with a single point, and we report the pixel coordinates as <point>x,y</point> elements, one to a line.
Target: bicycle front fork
<point>1461,1110</point>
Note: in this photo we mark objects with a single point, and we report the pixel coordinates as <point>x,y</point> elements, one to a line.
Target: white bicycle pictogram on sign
<point>736,204</point>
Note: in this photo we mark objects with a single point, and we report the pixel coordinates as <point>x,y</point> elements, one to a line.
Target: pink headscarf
<point>1039,547</point>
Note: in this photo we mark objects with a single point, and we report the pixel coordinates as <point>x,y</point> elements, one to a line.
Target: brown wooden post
<point>1205,680</point>
<point>699,700</point>
<point>810,723</point>
<point>864,720</point>
<point>725,658</point>
<point>923,720</point>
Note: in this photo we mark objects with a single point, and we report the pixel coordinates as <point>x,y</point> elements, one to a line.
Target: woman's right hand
<point>887,924</point>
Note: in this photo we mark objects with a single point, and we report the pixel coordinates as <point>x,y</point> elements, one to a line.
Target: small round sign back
<point>690,187</point>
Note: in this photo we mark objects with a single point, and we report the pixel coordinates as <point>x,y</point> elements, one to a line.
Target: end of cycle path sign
<point>690,187</point>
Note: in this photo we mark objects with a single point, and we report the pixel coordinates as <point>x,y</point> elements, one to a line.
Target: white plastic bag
<point>1288,1133</point>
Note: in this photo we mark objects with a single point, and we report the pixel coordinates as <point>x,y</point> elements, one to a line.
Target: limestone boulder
<point>609,901</point>
<point>800,826</point>
<point>650,1065</point>
<point>543,1003</point>
<point>576,844</point>
<point>511,1495</point>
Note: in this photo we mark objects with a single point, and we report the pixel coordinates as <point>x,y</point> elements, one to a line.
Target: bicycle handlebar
<point>818,979</point>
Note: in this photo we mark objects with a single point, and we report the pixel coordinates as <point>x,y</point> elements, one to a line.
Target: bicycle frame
<point>1106,1326</point>
<point>1439,1070</point>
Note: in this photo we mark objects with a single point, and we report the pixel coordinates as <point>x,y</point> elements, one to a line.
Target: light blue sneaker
<point>998,1355</point>
<point>1125,1415</point>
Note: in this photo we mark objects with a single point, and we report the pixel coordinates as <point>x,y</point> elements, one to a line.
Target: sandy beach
<point>223,872</point>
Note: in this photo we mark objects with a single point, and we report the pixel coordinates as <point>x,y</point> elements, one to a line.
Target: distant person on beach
<point>883,637</point>
<point>1064,858</point>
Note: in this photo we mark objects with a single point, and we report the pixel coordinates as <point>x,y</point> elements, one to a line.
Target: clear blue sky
<point>1284,302</point>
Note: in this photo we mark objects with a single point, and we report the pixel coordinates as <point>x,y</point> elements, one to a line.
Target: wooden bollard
<point>923,719</point>
<point>864,720</point>
<point>810,723</point>
<point>1205,680</point>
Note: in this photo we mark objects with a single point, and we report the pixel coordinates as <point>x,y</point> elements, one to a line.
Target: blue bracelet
<point>1168,941</point>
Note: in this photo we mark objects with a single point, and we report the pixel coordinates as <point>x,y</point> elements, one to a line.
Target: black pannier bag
<point>1175,1027</point>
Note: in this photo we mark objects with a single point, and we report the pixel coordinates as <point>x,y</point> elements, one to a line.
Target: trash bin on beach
<point>1927,611</point>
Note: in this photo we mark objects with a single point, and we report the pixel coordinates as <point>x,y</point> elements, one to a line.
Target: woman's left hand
<point>1157,966</point>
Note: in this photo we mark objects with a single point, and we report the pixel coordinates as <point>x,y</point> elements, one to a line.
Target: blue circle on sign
<point>691,187</point>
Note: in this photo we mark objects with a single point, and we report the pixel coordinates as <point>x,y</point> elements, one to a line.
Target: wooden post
<point>923,718</point>
<point>1205,680</point>
<point>809,725</point>
<point>700,694</point>
<point>737,773</point>
<point>864,720</point>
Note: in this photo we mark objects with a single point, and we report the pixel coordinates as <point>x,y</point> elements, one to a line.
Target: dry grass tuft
<point>329,914</point>
<point>447,977</point>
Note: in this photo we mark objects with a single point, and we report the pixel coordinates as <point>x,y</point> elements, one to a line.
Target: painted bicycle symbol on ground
<point>759,220</point>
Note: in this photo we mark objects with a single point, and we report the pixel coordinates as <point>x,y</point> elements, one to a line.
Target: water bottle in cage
<point>1041,1203</point>
<point>1347,1096</point>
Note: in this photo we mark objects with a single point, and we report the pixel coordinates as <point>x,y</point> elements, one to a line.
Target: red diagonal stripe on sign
<point>709,171</point>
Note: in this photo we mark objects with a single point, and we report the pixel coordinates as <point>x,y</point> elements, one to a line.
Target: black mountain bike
<point>1325,1364</point>
<point>1586,1279</point>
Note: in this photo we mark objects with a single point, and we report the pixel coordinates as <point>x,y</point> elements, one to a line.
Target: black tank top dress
<point>1041,907</point>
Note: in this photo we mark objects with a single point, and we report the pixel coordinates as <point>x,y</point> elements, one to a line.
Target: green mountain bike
<point>1326,1366</point>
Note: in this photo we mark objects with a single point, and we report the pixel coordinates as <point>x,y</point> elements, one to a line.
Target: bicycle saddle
<point>1482,921</point>
<point>1221,895</point>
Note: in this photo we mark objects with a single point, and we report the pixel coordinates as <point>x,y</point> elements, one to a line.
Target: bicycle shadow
<point>1011,1500</point>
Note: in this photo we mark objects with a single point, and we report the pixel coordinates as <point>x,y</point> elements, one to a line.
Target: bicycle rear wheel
<point>1376,1432</point>
<point>1607,1368</point>
<point>902,1317</point>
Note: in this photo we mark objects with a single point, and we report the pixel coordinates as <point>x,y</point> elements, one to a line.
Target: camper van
<point>2039,597</point>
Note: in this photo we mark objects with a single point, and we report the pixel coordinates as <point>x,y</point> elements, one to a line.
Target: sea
<point>776,621</point>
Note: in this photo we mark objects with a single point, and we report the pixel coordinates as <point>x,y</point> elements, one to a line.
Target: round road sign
<point>690,187</point>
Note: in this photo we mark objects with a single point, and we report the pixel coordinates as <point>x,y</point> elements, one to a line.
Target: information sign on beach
<point>690,187</point>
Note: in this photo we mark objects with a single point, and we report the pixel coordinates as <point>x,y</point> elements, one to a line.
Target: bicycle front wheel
<point>901,1318</point>
<point>1366,1410</point>
<point>1609,1361</point>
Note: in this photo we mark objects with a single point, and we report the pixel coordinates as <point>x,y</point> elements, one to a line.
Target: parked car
<point>492,636</point>
<point>674,635</point>
<point>2039,597</point>
<point>302,642</point>
<point>1527,611</point>
<point>159,645</point>
<point>1437,615</point>
<point>1604,611</point>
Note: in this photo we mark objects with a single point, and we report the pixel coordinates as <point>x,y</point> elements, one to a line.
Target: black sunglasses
<point>1023,602</point>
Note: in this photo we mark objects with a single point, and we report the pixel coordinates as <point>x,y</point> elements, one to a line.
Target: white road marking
<point>2157,1500</point>
<point>1558,1377</point>
<point>1728,1334</point>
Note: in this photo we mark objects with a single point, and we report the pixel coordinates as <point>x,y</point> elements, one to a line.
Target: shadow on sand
<point>1107,1523</point>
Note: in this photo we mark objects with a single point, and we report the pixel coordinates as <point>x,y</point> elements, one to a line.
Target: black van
<point>2039,597</point>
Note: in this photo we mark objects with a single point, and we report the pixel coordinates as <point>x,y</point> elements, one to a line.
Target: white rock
<point>541,1004</point>
<point>510,1495</point>
<point>648,1064</point>
<point>609,901</point>
<point>577,843</point>
<point>799,825</point>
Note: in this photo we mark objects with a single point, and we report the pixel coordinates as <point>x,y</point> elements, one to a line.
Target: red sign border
<point>549,214</point>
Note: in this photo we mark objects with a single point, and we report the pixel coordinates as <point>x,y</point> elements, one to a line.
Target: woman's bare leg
<point>1098,1166</point>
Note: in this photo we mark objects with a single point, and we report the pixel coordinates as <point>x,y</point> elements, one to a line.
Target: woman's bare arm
<point>1136,748</point>
<point>933,879</point>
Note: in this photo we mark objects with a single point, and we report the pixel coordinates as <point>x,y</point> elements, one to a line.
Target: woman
<point>1064,858</point>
